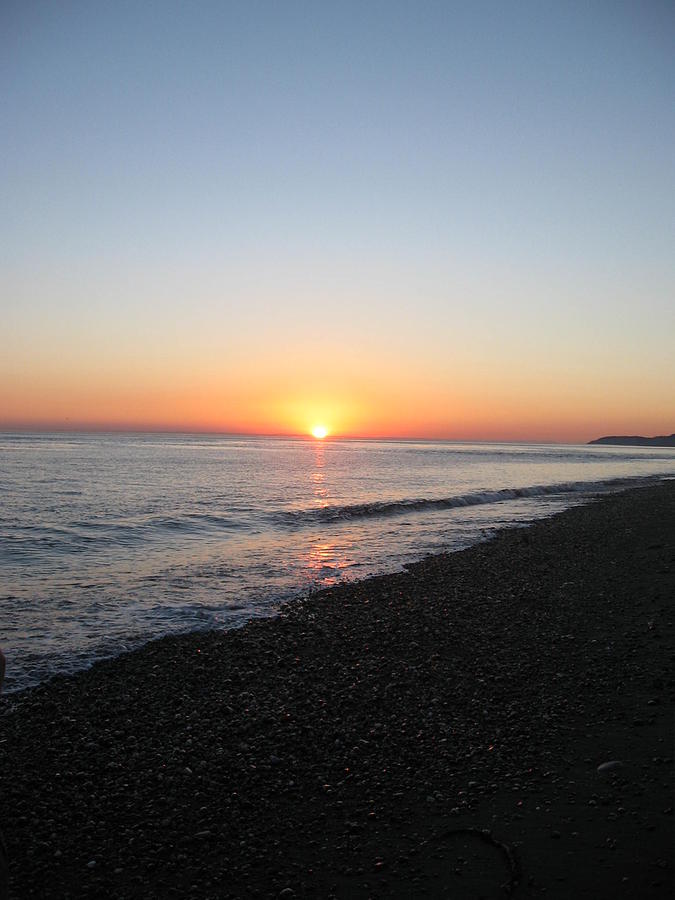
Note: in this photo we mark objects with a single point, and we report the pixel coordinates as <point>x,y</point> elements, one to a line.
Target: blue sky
<point>432,171</point>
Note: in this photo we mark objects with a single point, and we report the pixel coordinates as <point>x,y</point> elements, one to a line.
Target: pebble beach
<point>492,722</point>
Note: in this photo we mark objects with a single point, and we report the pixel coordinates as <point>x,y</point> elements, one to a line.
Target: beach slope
<point>491,721</point>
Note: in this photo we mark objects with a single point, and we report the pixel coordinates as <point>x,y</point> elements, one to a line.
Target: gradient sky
<point>406,219</point>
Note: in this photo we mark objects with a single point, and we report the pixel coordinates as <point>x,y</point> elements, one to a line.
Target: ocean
<point>110,540</point>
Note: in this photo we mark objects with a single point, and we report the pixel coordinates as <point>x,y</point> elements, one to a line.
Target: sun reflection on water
<point>318,477</point>
<point>325,562</point>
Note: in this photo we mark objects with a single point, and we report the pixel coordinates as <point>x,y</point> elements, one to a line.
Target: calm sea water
<point>107,541</point>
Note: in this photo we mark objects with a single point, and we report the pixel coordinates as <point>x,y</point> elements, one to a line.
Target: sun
<point>319,432</point>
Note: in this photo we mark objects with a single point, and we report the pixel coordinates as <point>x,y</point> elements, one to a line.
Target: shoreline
<point>577,493</point>
<point>360,743</point>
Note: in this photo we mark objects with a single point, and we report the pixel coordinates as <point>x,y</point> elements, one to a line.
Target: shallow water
<point>107,541</point>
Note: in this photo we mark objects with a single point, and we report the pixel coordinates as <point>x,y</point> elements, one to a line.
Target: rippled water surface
<point>109,540</point>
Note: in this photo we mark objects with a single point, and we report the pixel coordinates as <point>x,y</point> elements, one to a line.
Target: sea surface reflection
<point>107,541</point>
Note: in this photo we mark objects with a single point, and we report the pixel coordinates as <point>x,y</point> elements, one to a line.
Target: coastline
<point>91,574</point>
<point>362,743</point>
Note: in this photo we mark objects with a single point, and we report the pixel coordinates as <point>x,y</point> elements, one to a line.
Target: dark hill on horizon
<point>634,440</point>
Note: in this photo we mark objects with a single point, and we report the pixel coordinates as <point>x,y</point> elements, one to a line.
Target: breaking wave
<point>380,508</point>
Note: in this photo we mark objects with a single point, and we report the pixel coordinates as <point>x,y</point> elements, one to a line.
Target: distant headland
<point>635,440</point>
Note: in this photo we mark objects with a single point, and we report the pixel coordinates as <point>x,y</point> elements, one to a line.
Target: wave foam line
<point>328,514</point>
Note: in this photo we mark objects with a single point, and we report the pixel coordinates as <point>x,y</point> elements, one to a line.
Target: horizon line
<point>111,429</point>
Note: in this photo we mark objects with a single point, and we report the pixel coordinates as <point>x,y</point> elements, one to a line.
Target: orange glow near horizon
<point>368,397</point>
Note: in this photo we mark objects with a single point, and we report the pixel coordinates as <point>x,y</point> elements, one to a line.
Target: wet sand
<point>435,733</point>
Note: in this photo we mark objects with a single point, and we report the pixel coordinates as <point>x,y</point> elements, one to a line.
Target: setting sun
<point>319,431</point>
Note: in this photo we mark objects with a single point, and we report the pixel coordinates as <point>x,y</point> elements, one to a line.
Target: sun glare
<point>319,432</point>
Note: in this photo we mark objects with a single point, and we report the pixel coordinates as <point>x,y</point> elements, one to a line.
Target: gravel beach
<point>492,722</point>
